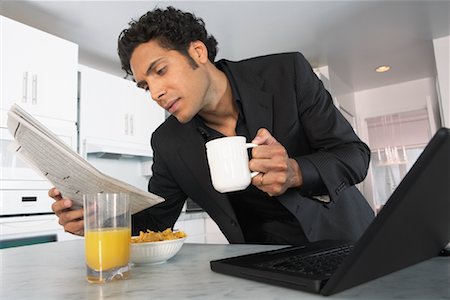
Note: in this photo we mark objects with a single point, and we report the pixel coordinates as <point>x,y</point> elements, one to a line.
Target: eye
<point>161,71</point>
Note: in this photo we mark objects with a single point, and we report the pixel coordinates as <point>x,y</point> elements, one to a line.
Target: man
<point>309,159</point>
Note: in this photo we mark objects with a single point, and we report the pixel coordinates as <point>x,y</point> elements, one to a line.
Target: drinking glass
<point>107,233</point>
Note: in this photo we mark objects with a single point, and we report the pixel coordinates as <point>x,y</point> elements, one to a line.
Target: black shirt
<point>263,219</point>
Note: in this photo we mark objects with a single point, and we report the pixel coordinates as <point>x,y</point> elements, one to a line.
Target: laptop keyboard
<point>321,264</point>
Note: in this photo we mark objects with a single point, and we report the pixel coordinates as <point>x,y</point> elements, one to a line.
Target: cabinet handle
<point>34,90</point>
<point>25,87</point>
<point>126,124</point>
<point>131,125</point>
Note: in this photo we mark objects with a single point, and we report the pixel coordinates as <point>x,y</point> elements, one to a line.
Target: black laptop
<point>413,226</point>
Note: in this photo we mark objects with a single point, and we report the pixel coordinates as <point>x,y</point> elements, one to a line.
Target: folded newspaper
<point>71,174</point>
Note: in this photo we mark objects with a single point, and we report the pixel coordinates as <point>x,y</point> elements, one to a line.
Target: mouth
<point>171,106</point>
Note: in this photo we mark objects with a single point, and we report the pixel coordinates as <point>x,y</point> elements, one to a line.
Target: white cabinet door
<point>201,230</point>
<point>38,71</point>
<point>115,114</point>
<point>101,113</point>
<point>213,234</point>
<point>145,117</point>
<point>194,229</point>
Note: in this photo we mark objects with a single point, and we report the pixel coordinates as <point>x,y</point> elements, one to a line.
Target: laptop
<point>413,226</point>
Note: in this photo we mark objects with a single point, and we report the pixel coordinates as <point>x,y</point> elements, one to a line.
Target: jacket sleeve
<point>339,159</point>
<point>164,214</point>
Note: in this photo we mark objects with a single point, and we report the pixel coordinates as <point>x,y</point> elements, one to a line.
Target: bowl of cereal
<point>155,247</point>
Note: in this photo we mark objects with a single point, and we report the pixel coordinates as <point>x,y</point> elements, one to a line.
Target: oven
<point>33,229</point>
<point>22,190</point>
<point>25,207</point>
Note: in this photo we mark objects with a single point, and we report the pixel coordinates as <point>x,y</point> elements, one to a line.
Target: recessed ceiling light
<point>383,68</point>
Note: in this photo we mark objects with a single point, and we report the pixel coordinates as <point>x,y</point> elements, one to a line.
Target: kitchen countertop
<point>57,271</point>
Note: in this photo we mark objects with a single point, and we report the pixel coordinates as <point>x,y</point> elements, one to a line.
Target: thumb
<point>263,137</point>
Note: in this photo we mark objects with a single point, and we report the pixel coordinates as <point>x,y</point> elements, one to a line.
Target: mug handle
<point>251,145</point>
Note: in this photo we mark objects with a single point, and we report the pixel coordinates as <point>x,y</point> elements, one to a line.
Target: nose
<point>157,92</point>
<point>161,94</point>
<point>158,96</point>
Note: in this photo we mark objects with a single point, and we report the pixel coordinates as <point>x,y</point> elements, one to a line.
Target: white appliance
<point>22,190</point>
<point>25,207</point>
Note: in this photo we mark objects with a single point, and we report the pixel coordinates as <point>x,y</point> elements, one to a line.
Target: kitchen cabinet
<point>38,71</point>
<point>213,234</point>
<point>115,115</point>
<point>200,228</point>
<point>195,229</point>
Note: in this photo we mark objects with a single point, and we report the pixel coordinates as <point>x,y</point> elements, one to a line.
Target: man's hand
<point>71,220</point>
<point>278,172</point>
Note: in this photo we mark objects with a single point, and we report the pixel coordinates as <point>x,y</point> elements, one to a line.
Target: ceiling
<point>351,37</point>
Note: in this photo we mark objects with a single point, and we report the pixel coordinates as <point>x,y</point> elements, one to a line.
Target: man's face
<point>171,79</point>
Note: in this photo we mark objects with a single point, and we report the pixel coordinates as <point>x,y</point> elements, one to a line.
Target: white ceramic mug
<point>228,163</point>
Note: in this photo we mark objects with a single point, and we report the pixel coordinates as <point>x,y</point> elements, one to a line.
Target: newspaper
<point>70,173</point>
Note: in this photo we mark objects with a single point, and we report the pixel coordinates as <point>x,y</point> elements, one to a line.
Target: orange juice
<point>107,248</point>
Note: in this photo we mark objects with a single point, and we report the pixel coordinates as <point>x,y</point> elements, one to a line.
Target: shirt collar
<point>209,133</point>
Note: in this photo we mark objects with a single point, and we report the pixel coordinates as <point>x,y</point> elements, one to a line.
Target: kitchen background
<point>58,61</point>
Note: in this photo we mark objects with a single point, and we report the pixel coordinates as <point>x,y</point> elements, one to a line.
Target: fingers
<point>54,193</point>
<point>267,158</point>
<point>278,172</point>
<point>75,227</point>
<point>263,137</point>
<point>71,220</point>
<point>276,182</point>
<point>268,148</point>
<point>258,180</point>
<point>61,205</point>
<point>70,216</point>
<point>273,183</point>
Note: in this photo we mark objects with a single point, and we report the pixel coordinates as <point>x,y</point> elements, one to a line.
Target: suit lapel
<point>258,110</point>
<point>192,153</point>
<point>256,103</point>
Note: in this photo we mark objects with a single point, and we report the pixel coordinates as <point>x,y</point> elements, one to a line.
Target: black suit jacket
<point>281,93</point>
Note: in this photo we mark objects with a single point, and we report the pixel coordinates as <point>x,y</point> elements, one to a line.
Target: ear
<point>199,52</point>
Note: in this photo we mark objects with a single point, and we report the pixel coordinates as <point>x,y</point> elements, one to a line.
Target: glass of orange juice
<point>107,234</point>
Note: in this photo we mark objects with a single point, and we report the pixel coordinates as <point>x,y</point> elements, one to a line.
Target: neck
<point>220,112</point>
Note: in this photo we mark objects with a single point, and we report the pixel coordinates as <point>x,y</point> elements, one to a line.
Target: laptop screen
<point>413,226</point>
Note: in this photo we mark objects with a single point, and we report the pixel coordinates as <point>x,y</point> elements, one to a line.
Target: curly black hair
<point>172,28</point>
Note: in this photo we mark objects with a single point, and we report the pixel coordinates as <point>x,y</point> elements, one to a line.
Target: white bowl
<point>155,252</point>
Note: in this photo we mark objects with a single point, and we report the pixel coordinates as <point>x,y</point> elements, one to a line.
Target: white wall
<point>406,96</point>
<point>441,55</point>
<point>342,92</point>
